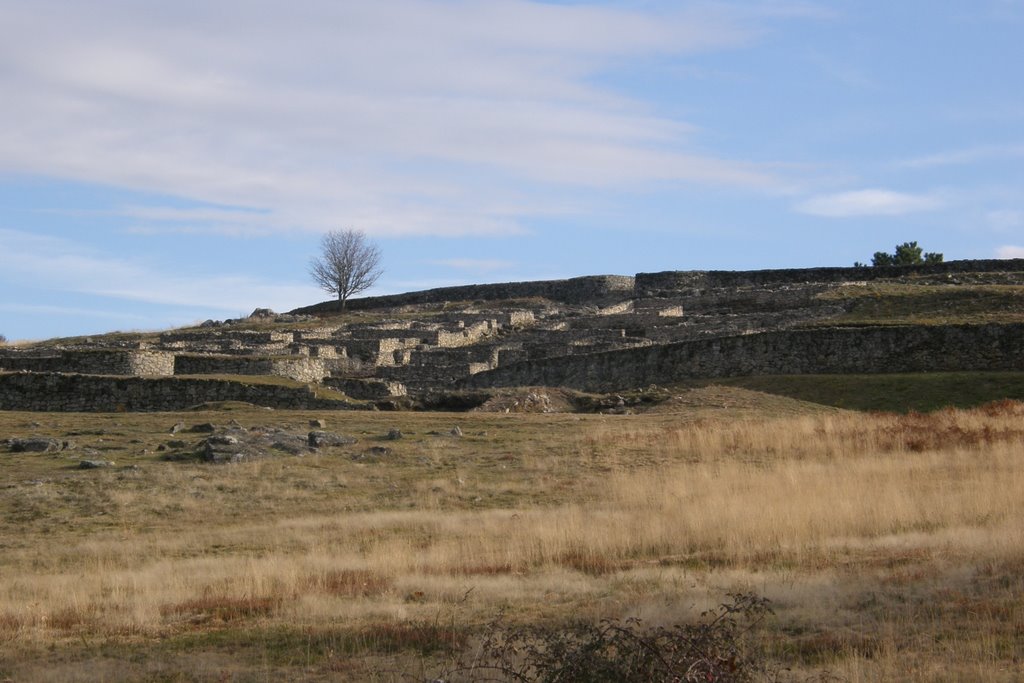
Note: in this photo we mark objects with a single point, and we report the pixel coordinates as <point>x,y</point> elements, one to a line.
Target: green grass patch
<point>899,393</point>
<point>886,303</point>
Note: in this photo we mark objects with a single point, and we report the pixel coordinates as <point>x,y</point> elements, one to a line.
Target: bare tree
<point>347,264</point>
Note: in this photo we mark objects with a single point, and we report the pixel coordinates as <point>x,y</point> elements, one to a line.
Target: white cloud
<point>67,266</point>
<point>376,114</point>
<point>868,202</point>
<point>962,157</point>
<point>1010,251</point>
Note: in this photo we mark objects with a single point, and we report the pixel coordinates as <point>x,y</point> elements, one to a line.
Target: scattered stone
<point>94,464</point>
<point>34,445</point>
<point>317,424</point>
<point>161,448</point>
<point>203,428</point>
<point>380,451</point>
<point>394,434</point>
<point>456,431</point>
<point>318,439</point>
<point>68,445</point>
<point>176,444</point>
<point>209,323</point>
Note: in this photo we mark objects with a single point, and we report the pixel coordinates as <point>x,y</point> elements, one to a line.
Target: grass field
<point>891,546</point>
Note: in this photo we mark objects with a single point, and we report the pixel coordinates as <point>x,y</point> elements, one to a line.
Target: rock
<point>394,434</point>
<point>209,323</point>
<point>318,439</point>
<point>68,445</point>
<point>262,314</point>
<point>94,464</point>
<point>380,450</point>
<point>34,445</point>
<point>456,431</point>
<point>204,428</point>
<point>292,445</point>
<point>177,427</point>
<point>222,448</point>
<point>176,444</point>
<point>317,424</point>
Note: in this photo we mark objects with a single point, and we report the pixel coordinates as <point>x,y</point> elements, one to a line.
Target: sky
<point>166,163</point>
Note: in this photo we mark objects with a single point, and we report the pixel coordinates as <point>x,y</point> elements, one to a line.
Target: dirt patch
<point>716,397</point>
<point>529,400</point>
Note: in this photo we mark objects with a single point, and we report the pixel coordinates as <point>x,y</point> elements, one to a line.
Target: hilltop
<point>610,334</point>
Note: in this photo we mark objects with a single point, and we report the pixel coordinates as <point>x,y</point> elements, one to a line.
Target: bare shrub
<point>714,649</point>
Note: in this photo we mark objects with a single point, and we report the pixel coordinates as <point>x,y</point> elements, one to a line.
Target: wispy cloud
<point>868,202</point>
<point>475,265</point>
<point>63,265</point>
<point>377,114</point>
<point>1005,220</point>
<point>1010,251</point>
<point>961,157</point>
<point>44,309</point>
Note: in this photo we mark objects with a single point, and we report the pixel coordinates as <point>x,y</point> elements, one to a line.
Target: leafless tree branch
<point>347,264</point>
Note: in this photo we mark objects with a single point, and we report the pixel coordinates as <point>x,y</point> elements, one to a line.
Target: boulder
<point>262,314</point>
<point>94,464</point>
<point>34,445</point>
<point>319,439</point>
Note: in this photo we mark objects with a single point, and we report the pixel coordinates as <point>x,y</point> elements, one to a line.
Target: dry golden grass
<point>892,546</point>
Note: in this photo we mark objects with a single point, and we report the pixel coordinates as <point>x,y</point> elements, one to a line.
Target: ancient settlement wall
<point>820,351</point>
<point>95,393</point>
<point>594,333</point>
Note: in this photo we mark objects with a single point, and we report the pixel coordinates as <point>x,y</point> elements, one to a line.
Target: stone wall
<point>300,368</point>
<point>667,282</point>
<point>575,290</point>
<point>96,362</point>
<point>824,351</point>
<point>93,393</point>
<point>366,389</point>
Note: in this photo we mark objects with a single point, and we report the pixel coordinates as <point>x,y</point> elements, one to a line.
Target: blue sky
<point>164,163</point>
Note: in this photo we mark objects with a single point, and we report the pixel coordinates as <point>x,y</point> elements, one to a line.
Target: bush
<point>3,339</point>
<point>906,254</point>
<point>624,651</point>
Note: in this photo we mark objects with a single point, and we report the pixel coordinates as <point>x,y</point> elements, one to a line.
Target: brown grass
<point>892,546</point>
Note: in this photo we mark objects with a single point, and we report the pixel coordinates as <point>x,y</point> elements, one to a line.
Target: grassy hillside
<point>890,303</point>
<point>899,393</point>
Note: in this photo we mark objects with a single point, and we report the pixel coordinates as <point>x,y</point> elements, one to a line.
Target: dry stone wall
<point>668,282</point>
<point>575,290</point>
<point>300,368</point>
<point>95,362</point>
<point>824,351</point>
<point>94,393</point>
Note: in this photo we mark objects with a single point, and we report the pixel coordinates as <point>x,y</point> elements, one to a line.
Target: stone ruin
<point>595,333</point>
